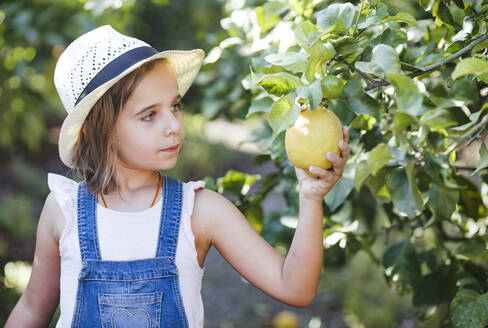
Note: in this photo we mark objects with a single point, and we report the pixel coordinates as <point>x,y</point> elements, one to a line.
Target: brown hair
<point>95,153</point>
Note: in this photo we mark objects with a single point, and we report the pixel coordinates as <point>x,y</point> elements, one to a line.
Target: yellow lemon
<point>311,137</point>
<point>286,319</point>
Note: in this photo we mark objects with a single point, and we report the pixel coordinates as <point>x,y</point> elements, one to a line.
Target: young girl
<point>126,246</point>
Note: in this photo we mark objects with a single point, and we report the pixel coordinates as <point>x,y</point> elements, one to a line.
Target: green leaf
<point>402,265</point>
<point>266,21</point>
<point>254,215</point>
<point>279,83</point>
<point>411,174</point>
<point>293,61</point>
<point>338,194</point>
<point>350,50</point>
<point>474,66</point>
<point>320,53</point>
<point>386,58</point>
<point>407,95</point>
<point>469,309</point>
<point>439,172</point>
<point>403,194</point>
<point>402,121</point>
<point>237,183</point>
<point>260,105</point>
<point>470,203</point>
<point>402,17</point>
<point>438,119</point>
<point>378,157</point>
<point>338,28</point>
<point>377,184</point>
<point>475,249</point>
<point>374,16</point>
<point>359,101</point>
<point>369,67</point>
<point>283,115</point>
<point>312,93</point>
<point>328,17</point>
<point>433,288</point>
<point>361,173</point>
<point>363,122</point>
<point>444,15</point>
<point>443,201</point>
<point>306,34</point>
<point>278,151</point>
<point>483,158</point>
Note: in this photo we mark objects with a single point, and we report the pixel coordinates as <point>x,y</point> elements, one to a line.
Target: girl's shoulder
<point>63,193</point>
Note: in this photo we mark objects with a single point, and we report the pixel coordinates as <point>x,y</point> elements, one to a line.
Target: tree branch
<point>427,69</point>
<point>354,69</point>
<point>408,141</point>
<point>475,129</point>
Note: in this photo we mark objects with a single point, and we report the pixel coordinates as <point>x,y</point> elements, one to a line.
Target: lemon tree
<point>410,79</point>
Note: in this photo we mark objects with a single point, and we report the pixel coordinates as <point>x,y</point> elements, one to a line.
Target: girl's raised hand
<point>315,188</point>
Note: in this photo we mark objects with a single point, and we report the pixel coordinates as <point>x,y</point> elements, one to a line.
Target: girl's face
<point>151,121</point>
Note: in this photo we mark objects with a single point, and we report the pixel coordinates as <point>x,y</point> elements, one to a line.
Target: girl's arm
<point>39,301</point>
<point>293,279</point>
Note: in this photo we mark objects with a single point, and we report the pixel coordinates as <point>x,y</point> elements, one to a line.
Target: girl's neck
<point>132,194</point>
<point>130,181</point>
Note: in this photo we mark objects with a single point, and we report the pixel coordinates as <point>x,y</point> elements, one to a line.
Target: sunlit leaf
<point>328,17</point>
<point>312,92</point>
<point>279,83</point>
<point>474,66</point>
<point>402,17</point>
<point>407,95</point>
<point>283,115</point>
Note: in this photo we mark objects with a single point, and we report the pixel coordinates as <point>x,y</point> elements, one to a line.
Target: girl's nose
<point>171,123</point>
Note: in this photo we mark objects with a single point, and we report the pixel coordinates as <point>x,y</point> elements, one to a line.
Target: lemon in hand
<point>332,87</point>
<point>311,137</point>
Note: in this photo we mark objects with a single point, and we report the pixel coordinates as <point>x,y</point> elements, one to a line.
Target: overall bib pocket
<point>130,310</point>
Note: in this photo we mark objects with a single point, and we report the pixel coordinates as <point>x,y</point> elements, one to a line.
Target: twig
<point>354,69</point>
<point>475,129</point>
<point>467,168</point>
<point>427,69</point>
<point>414,147</point>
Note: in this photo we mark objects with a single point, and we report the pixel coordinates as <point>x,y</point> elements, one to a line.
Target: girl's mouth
<point>171,149</point>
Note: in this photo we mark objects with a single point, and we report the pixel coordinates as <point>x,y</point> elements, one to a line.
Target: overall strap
<point>87,228</point>
<point>170,217</point>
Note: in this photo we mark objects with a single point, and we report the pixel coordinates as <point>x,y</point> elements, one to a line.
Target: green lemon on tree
<point>332,87</point>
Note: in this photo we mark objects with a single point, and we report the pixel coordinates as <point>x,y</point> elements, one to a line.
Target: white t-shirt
<point>117,233</point>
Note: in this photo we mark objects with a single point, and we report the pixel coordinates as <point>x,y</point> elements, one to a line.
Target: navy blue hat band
<point>116,67</point>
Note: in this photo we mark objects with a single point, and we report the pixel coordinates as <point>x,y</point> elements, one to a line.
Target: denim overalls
<point>137,293</point>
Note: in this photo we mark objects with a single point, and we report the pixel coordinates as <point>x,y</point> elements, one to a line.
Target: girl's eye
<point>148,116</point>
<point>179,106</point>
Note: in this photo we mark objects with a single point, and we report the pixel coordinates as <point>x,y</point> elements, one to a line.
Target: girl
<point>126,246</point>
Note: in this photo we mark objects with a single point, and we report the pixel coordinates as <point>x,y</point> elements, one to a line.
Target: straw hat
<point>94,62</point>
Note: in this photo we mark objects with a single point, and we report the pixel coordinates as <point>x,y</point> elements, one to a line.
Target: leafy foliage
<point>414,98</point>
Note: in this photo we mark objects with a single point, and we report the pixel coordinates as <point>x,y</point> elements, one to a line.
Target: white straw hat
<point>94,62</point>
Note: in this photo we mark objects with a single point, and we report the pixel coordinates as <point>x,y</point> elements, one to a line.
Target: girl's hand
<point>315,188</point>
